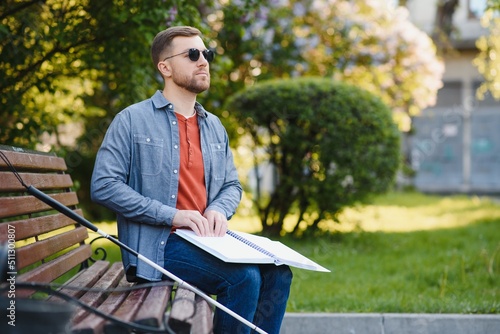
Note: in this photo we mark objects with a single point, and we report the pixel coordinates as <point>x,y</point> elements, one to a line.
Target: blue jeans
<point>258,293</point>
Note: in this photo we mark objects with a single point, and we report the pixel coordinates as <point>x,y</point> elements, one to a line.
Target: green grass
<point>404,253</point>
<point>439,271</point>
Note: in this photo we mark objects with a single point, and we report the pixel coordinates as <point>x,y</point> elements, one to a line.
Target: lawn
<point>404,253</point>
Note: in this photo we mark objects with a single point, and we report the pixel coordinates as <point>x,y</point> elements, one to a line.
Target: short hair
<point>163,40</point>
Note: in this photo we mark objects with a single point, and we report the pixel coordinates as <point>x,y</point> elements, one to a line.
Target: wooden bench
<point>50,245</point>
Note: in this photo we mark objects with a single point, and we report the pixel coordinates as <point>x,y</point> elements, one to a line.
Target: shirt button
<point>148,140</point>
<point>175,146</point>
<point>175,171</point>
<point>174,122</point>
<point>162,243</point>
<point>173,196</point>
<point>218,146</point>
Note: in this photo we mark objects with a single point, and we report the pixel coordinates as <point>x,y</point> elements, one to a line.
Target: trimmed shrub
<point>331,145</point>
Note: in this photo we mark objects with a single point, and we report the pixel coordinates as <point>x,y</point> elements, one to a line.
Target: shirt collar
<point>160,102</point>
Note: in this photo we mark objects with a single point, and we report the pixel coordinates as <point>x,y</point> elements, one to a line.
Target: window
<point>476,8</point>
<point>450,95</point>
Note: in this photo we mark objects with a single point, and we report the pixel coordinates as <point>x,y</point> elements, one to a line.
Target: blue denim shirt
<point>136,175</point>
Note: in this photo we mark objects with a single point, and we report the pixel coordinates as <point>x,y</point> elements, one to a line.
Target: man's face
<point>193,76</point>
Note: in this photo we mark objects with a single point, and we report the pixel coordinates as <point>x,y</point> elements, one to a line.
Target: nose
<point>202,61</point>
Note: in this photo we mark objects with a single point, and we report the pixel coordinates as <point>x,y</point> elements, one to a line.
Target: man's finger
<point>201,223</point>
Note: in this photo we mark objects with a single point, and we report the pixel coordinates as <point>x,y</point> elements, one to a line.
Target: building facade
<point>456,143</point>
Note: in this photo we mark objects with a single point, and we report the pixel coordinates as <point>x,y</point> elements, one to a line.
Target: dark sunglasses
<point>194,55</point>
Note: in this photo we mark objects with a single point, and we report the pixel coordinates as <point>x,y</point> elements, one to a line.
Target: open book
<point>240,247</point>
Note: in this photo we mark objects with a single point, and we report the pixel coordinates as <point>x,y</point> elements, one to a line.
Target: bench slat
<point>41,181</point>
<point>202,322</point>
<point>153,309</point>
<point>85,278</point>
<point>128,309</point>
<point>16,206</point>
<point>51,270</point>
<point>94,298</point>
<point>183,311</point>
<point>42,249</point>
<point>94,323</point>
<point>27,228</point>
<point>33,161</point>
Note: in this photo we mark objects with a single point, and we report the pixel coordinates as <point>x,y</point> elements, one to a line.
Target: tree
<point>488,59</point>
<point>99,47</point>
<point>78,62</point>
<point>67,61</point>
<point>331,145</point>
<point>367,43</point>
<point>443,25</point>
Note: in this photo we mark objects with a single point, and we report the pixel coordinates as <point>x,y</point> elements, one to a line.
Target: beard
<point>193,84</point>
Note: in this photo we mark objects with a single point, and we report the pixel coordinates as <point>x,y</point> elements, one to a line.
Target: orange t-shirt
<point>192,194</point>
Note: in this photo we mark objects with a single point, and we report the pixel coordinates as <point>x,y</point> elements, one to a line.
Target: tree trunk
<point>443,25</point>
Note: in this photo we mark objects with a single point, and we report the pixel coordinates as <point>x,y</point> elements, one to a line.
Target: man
<point>165,163</point>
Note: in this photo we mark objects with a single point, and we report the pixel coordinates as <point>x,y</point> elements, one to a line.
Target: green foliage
<point>488,60</point>
<point>65,61</point>
<point>367,43</point>
<point>331,145</point>
<point>80,62</point>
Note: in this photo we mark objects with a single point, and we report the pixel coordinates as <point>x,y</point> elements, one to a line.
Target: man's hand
<point>195,221</point>
<point>217,222</point>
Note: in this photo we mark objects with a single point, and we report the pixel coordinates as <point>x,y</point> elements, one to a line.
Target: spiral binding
<point>254,246</point>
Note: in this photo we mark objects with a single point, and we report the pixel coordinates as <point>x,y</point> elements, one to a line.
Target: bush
<point>331,145</point>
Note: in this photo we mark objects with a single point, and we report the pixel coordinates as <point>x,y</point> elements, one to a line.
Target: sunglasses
<point>194,55</point>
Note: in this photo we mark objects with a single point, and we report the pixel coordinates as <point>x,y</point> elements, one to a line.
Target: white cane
<point>71,214</point>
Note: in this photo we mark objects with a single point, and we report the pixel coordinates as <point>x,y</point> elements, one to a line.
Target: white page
<point>283,252</point>
<point>226,248</point>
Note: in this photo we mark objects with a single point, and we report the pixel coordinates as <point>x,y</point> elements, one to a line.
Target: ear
<point>165,68</point>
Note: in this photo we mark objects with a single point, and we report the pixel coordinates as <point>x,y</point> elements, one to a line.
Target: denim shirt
<point>136,175</point>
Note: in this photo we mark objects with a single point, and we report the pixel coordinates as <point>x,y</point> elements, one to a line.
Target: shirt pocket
<point>148,154</point>
<point>218,151</point>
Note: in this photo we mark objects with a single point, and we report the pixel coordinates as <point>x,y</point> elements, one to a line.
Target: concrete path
<point>389,323</point>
